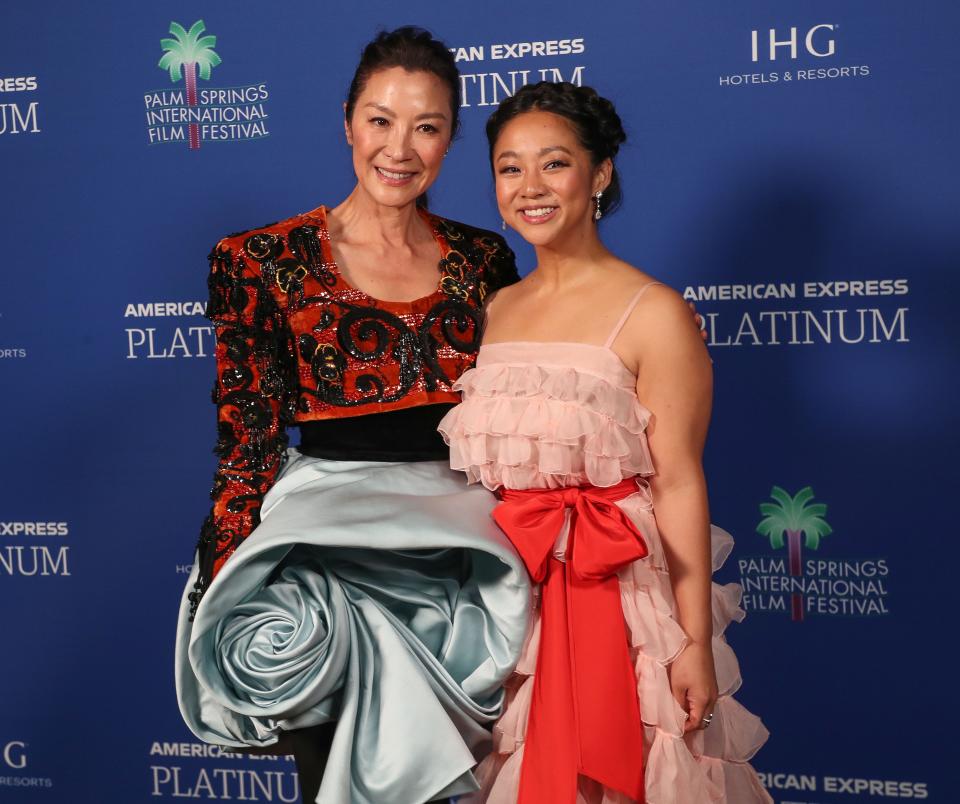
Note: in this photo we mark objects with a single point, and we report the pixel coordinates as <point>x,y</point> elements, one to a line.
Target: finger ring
<point>706,720</point>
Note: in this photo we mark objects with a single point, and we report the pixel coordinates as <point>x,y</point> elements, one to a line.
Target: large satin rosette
<point>379,595</point>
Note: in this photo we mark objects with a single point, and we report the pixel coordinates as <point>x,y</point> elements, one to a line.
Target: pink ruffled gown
<point>549,415</point>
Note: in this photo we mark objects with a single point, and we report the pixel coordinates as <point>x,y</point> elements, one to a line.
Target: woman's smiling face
<point>545,178</point>
<point>399,133</point>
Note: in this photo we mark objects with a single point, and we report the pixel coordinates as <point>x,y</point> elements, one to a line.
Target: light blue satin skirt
<point>380,595</point>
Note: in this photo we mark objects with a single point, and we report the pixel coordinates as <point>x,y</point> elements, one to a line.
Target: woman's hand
<point>693,681</point>
<point>698,320</point>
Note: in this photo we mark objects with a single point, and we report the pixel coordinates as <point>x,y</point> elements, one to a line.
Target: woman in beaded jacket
<point>352,598</point>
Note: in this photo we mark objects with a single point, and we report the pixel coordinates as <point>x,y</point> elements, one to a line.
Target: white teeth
<point>538,213</point>
<point>397,176</point>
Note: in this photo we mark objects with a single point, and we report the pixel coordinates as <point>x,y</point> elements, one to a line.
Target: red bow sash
<point>584,716</point>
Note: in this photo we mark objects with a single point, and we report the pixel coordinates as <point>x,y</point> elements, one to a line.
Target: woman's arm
<point>675,383</point>
<point>253,398</point>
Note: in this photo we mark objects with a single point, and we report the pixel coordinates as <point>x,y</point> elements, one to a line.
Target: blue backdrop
<point>791,167</point>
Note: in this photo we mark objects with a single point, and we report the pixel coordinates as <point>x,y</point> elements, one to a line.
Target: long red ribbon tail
<point>605,687</point>
<point>551,760</point>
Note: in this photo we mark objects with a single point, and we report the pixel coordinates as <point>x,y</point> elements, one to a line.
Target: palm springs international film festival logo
<point>814,584</point>
<point>194,115</point>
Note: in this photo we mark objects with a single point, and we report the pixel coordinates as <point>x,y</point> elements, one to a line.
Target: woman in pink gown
<point>624,691</point>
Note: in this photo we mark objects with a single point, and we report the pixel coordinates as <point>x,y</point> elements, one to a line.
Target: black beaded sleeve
<point>501,264</point>
<point>255,362</point>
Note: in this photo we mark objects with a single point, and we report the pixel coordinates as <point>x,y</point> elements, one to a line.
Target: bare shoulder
<point>625,278</point>
<point>656,297</point>
<point>661,314</point>
<point>499,298</point>
<point>662,301</point>
<point>496,304</point>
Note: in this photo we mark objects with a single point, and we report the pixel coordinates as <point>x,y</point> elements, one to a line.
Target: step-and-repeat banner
<point>791,168</point>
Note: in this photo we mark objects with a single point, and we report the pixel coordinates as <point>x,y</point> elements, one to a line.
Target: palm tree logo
<point>184,54</point>
<point>795,517</point>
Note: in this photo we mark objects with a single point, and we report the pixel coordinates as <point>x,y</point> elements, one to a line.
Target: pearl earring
<point>503,224</point>
<point>597,214</point>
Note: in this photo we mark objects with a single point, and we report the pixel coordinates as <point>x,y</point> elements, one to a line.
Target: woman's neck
<point>358,218</point>
<point>563,261</point>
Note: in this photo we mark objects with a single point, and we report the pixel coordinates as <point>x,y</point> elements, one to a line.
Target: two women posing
<point>356,581</point>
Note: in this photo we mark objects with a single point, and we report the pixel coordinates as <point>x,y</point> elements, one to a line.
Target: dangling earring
<point>503,224</point>
<point>597,214</point>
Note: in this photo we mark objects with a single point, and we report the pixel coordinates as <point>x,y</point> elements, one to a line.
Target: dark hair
<point>415,50</point>
<point>594,120</point>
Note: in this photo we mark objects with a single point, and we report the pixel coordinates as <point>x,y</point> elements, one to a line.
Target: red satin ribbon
<point>584,716</point>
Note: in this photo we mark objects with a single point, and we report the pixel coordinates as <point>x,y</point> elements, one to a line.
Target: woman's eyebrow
<point>388,111</point>
<point>548,149</point>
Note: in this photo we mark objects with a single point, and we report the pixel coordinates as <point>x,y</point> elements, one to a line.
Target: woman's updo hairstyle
<point>415,50</point>
<point>594,120</point>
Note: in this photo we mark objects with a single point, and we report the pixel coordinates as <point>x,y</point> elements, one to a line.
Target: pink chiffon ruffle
<point>530,426</point>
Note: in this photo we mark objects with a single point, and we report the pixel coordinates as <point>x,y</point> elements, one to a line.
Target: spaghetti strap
<point>626,314</point>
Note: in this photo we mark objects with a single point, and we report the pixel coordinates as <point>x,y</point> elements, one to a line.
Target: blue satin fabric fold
<point>379,595</point>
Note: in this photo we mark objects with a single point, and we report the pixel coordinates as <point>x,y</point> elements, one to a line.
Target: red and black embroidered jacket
<point>296,343</point>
